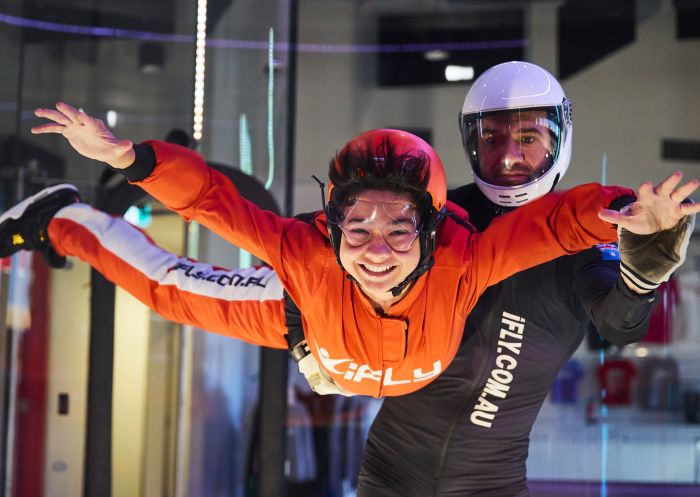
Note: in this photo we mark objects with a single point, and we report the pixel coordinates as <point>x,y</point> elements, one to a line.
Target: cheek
<point>488,158</point>
<point>410,259</point>
<point>538,160</point>
<point>347,254</point>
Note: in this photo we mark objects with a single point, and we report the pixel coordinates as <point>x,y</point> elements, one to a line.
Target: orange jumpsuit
<point>363,351</point>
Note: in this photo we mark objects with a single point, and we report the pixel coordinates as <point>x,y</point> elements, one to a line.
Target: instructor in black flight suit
<point>467,433</point>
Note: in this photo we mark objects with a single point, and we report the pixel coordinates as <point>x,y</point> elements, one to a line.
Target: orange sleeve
<point>184,183</point>
<point>557,224</point>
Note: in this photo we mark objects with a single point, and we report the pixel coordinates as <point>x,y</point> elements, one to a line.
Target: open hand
<point>657,208</point>
<point>87,135</point>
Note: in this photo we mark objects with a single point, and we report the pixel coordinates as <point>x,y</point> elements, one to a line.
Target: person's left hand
<point>657,208</point>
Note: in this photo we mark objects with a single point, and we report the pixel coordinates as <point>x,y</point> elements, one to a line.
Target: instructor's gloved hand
<point>654,231</point>
<point>648,260</point>
<point>318,379</point>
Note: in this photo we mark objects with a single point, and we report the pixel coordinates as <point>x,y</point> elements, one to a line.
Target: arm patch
<point>608,251</point>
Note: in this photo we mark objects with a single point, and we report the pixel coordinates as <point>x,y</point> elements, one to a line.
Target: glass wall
<point>182,401</point>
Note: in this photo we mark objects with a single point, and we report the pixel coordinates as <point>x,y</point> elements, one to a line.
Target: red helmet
<point>392,160</point>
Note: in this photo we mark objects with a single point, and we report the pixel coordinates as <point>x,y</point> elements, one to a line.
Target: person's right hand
<point>657,208</point>
<point>87,135</point>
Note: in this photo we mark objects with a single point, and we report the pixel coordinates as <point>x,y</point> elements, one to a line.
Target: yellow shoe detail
<point>17,239</point>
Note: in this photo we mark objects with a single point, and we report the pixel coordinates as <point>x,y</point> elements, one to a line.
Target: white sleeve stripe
<point>130,245</point>
<point>639,282</point>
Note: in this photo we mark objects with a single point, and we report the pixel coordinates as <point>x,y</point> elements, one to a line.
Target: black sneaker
<point>23,227</point>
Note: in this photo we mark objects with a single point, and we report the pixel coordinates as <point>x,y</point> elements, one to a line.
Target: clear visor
<point>513,147</point>
<point>397,222</point>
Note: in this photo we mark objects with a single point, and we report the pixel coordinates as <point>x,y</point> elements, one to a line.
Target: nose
<point>512,153</point>
<point>377,246</point>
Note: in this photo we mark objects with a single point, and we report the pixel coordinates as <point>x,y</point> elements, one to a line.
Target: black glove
<point>648,260</point>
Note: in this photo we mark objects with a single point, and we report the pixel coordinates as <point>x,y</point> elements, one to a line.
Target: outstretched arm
<point>184,183</point>
<point>176,176</point>
<point>566,223</point>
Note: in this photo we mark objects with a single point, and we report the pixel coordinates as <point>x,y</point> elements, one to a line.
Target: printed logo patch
<point>609,251</point>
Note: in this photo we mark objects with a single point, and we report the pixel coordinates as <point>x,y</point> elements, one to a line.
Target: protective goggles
<point>398,223</point>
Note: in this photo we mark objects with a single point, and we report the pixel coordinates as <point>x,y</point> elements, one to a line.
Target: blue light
<point>604,172</point>
<point>139,216</point>
<point>245,153</point>
<point>270,110</point>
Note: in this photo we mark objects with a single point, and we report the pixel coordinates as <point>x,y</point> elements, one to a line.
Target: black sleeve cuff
<point>295,329</point>
<point>143,165</point>
<point>622,201</point>
<point>630,295</point>
<point>627,314</point>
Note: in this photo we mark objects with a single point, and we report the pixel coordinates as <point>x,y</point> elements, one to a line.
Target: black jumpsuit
<point>467,432</point>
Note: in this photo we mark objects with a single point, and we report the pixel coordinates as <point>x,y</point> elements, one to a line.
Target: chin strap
<point>415,274</point>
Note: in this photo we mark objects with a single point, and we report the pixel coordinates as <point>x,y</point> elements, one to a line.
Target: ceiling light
<point>459,73</point>
<point>111,118</point>
<point>436,55</point>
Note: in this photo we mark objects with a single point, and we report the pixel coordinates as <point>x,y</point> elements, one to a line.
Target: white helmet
<point>517,115</point>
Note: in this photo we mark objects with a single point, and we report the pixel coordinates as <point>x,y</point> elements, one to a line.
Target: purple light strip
<point>8,106</point>
<point>406,47</point>
<point>93,31</point>
<point>258,45</point>
<point>164,120</point>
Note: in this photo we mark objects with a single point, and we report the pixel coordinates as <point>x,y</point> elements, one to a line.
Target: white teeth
<point>377,269</point>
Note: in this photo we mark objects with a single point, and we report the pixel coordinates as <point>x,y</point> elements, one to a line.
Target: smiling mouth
<point>372,270</point>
